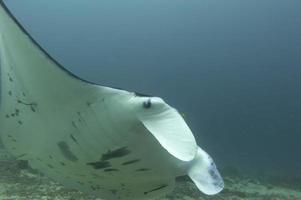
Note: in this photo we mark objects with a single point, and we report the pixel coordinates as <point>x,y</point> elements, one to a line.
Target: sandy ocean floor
<point>23,184</point>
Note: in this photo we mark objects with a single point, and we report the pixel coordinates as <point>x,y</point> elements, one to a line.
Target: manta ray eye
<point>147,104</point>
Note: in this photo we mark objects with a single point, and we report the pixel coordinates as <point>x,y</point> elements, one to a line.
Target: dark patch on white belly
<point>65,150</point>
<point>117,153</point>
<point>100,164</point>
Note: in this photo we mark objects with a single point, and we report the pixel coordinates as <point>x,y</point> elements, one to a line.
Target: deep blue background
<point>233,67</point>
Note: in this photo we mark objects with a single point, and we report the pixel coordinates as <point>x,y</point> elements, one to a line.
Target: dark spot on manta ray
<point>147,104</point>
<point>123,151</point>
<point>10,93</point>
<point>81,118</point>
<point>95,187</point>
<point>81,183</point>
<point>32,105</point>
<point>20,122</point>
<point>50,166</point>
<point>73,138</point>
<point>113,191</point>
<point>32,108</point>
<point>79,114</point>
<point>131,162</point>
<point>24,103</point>
<point>155,189</point>
<point>110,170</point>
<point>100,164</point>
<point>214,175</point>
<point>7,115</point>
<point>143,169</point>
<point>10,79</point>
<point>62,163</point>
<point>73,124</point>
<point>65,150</point>
<point>17,112</point>
<point>50,157</point>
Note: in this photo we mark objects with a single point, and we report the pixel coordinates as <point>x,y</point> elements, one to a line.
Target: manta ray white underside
<point>109,142</point>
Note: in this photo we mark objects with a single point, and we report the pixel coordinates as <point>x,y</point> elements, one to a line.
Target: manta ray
<point>105,141</point>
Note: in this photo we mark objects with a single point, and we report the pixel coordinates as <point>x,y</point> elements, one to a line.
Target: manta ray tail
<point>204,174</point>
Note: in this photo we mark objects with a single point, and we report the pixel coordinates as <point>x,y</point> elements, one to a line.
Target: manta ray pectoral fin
<point>169,128</point>
<point>204,174</point>
<point>26,66</point>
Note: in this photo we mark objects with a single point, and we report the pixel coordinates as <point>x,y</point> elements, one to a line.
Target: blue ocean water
<point>233,67</point>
